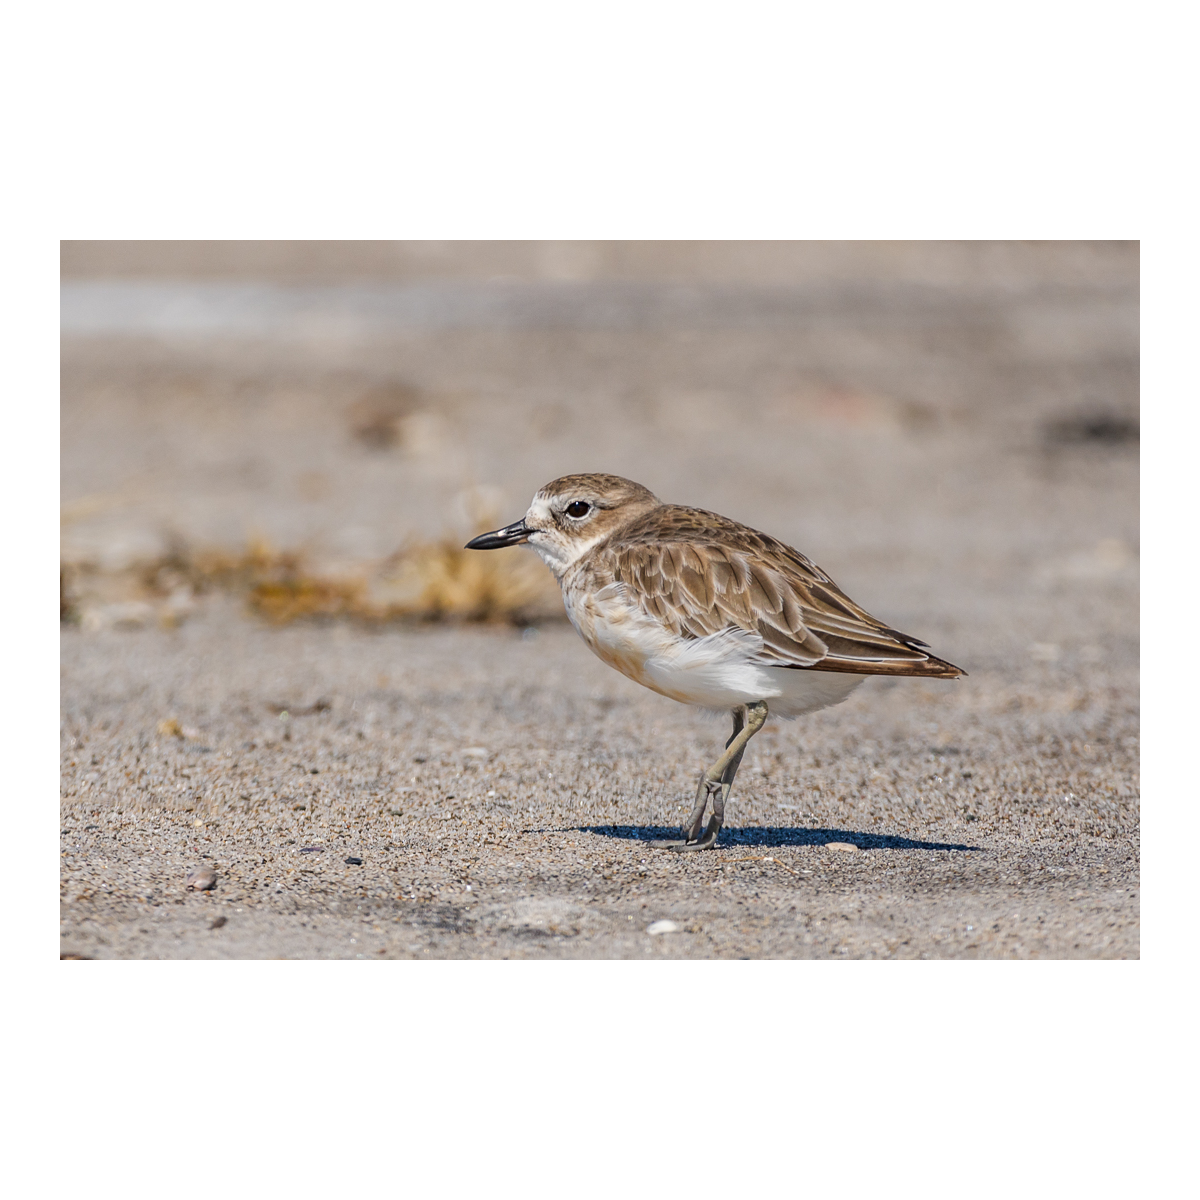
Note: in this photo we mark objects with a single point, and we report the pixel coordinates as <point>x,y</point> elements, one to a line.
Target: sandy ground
<point>499,789</point>
<point>952,442</point>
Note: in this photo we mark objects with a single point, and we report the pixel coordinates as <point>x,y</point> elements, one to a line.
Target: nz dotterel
<point>707,612</point>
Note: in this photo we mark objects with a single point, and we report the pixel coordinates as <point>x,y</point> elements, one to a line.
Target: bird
<point>708,612</point>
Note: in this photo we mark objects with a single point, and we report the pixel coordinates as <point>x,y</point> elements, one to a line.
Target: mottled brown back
<point>700,573</point>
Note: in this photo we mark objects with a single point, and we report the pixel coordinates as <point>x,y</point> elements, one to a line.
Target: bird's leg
<point>717,781</point>
<point>694,823</point>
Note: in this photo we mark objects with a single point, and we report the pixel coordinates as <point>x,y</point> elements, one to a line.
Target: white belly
<point>713,672</point>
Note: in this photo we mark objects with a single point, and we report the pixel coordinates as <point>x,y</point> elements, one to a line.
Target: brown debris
<point>425,581</point>
<point>375,418</point>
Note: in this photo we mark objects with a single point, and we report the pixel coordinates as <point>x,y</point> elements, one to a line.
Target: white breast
<point>715,672</point>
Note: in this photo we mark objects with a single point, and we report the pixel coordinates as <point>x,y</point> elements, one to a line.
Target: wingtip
<point>939,668</point>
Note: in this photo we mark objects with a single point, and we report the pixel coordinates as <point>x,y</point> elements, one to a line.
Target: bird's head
<point>571,515</point>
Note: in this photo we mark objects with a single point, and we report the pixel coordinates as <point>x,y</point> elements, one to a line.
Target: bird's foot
<point>686,845</point>
<point>707,842</point>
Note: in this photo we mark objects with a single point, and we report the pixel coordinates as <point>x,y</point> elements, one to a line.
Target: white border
<point>653,120</point>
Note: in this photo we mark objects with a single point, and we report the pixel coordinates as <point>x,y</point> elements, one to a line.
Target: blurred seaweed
<point>421,581</point>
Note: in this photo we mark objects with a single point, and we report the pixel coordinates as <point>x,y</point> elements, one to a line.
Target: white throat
<point>558,551</point>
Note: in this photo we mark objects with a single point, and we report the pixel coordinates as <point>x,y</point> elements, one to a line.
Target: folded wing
<point>698,586</point>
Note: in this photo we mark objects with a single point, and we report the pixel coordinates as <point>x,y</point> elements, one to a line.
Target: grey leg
<point>694,823</point>
<point>717,781</point>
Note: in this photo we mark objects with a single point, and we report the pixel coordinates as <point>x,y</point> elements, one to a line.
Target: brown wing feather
<point>700,573</point>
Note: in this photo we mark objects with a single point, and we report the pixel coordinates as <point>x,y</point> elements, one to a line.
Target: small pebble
<point>476,752</point>
<point>203,879</point>
<point>311,849</point>
<point>354,862</point>
<point>218,922</point>
<point>844,847</point>
<point>662,927</point>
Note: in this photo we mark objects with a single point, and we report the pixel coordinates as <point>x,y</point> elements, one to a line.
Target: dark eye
<point>578,508</point>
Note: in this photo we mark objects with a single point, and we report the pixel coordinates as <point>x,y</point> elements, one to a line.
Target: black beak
<point>510,535</point>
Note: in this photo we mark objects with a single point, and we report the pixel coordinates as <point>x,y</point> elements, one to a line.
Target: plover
<point>708,612</point>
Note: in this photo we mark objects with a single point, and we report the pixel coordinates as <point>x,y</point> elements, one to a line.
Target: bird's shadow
<point>774,835</point>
